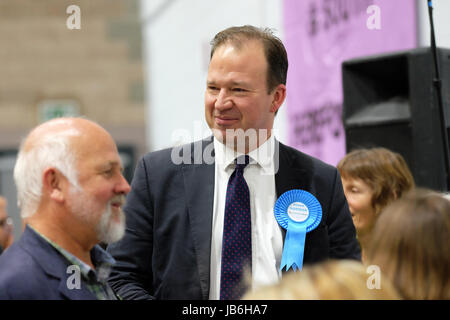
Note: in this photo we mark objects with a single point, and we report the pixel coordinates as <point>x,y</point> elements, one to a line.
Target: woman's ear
<point>395,195</point>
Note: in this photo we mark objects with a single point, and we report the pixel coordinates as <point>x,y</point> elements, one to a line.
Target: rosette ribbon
<point>299,212</point>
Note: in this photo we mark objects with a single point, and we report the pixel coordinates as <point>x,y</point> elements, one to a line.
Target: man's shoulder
<point>302,160</point>
<point>19,273</point>
<point>31,269</point>
<point>189,153</point>
<point>33,253</point>
<point>26,254</point>
<point>13,258</point>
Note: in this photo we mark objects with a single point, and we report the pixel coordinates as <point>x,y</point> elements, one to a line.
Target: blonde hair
<point>411,244</point>
<point>330,280</point>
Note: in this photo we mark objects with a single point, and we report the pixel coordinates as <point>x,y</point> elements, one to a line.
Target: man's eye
<point>212,88</point>
<point>239,90</point>
<point>108,173</point>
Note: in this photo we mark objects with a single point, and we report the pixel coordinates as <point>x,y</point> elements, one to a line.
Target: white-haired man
<point>70,190</point>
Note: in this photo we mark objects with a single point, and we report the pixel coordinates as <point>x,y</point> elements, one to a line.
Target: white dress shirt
<point>267,241</point>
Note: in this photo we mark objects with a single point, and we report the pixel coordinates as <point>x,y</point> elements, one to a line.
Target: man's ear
<point>53,184</point>
<point>279,94</point>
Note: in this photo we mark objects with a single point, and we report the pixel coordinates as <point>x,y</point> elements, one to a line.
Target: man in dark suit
<point>70,189</point>
<point>176,244</point>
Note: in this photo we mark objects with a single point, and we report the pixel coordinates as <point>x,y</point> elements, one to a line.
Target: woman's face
<point>359,197</point>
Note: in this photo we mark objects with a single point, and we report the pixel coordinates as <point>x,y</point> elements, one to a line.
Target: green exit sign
<point>50,109</point>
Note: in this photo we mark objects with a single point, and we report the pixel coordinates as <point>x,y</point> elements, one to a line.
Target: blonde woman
<point>411,245</point>
<point>330,280</point>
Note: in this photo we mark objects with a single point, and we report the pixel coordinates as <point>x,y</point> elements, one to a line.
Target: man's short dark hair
<point>274,50</point>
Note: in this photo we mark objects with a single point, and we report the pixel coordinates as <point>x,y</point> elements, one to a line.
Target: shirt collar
<point>101,259</point>
<point>263,155</point>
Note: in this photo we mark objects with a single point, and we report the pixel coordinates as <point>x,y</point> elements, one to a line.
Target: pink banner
<point>319,36</point>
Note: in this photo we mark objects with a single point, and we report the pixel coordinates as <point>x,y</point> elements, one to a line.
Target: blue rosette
<point>299,212</point>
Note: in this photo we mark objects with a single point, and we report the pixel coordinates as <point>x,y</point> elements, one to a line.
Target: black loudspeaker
<point>390,101</point>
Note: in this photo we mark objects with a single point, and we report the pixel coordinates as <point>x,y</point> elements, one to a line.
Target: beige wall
<point>99,66</point>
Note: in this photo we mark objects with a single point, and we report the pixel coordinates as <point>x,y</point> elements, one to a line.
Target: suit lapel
<point>289,177</point>
<point>53,264</point>
<point>81,293</point>
<point>199,187</point>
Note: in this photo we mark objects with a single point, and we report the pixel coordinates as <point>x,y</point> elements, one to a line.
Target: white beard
<point>107,230</point>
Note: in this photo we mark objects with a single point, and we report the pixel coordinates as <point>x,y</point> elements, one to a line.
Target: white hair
<point>51,151</point>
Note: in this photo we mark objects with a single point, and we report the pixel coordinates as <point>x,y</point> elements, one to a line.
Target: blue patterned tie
<point>237,234</point>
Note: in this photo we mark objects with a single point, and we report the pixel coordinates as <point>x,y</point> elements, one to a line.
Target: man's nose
<point>223,101</point>
<point>123,186</point>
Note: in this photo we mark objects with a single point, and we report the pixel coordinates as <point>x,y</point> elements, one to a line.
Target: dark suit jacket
<point>32,269</point>
<point>165,253</point>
